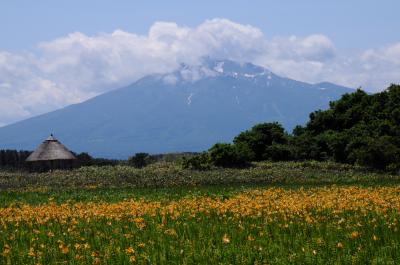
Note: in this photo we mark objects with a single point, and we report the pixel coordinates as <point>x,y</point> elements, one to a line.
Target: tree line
<point>13,158</point>
<point>359,128</point>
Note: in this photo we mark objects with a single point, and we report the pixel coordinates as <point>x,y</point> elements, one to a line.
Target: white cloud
<point>76,67</point>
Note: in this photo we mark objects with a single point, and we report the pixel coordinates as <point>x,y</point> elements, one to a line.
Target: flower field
<point>257,225</point>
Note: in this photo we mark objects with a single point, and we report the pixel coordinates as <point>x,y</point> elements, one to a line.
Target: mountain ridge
<point>186,110</point>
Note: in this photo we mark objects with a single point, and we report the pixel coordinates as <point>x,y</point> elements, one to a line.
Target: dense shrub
<point>198,162</point>
<point>259,137</point>
<point>84,159</point>
<point>278,152</point>
<point>139,160</point>
<point>358,129</point>
<point>230,155</point>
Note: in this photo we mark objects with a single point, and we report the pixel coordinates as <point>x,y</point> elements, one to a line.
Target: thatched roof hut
<point>51,154</point>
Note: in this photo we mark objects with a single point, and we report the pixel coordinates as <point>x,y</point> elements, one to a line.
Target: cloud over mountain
<point>76,67</point>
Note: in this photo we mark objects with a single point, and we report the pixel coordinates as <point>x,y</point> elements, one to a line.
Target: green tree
<point>229,155</point>
<point>258,138</point>
<point>139,160</point>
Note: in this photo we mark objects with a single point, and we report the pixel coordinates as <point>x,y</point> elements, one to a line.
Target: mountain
<point>186,110</point>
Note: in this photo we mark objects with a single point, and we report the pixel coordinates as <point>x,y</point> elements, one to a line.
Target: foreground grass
<point>343,225</point>
<point>167,181</point>
<point>272,213</point>
<point>167,175</point>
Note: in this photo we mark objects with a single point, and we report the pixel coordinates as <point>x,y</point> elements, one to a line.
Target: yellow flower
<point>96,261</point>
<point>226,239</point>
<point>170,232</point>
<point>375,238</point>
<point>339,245</point>
<point>64,249</point>
<point>31,252</point>
<point>132,259</point>
<point>354,235</point>
<point>6,250</point>
<point>129,250</point>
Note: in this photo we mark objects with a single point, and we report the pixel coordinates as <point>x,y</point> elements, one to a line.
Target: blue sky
<point>56,53</point>
<point>354,24</point>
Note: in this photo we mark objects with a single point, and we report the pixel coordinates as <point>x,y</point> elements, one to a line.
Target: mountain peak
<point>213,68</point>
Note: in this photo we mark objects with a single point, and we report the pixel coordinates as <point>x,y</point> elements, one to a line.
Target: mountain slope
<point>187,110</point>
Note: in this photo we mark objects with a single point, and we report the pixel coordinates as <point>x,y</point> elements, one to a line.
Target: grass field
<point>273,213</point>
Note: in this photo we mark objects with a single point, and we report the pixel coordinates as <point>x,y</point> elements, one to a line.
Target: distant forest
<point>359,128</point>
<point>13,159</point>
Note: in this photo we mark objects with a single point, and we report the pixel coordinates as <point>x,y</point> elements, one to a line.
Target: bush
<point>197,162</point>
<point>229,155</point>
<point>139,160</point>
<point>380,153</point>
<point>278,152</point>
<point>84,159</point>
<point>261,136</point>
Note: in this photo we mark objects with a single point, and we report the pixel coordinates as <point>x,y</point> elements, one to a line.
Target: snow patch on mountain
<point>189,99</point>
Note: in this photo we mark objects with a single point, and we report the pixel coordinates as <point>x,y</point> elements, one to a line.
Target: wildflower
<point>64,249</point>
<point>96,261</point>
<point>170,232</point>
<point>354,235</point>
<point>226,239</point>
<point>6,250</point>
<point>375,238</point>
<point>129,250</point>
<point>132,259</point>
<point>339,245</point>
<point>31,253</point>
<point>141,245</point>
<point>127,236</point>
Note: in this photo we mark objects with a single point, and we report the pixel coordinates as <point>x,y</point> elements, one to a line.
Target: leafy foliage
<point>139,160</point>
<point>358,129</point>
<point>229,155</point>
<point>261,136</point>
<point>198,162</point>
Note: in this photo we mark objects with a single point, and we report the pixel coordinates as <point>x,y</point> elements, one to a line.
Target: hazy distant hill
<point>187,110</point>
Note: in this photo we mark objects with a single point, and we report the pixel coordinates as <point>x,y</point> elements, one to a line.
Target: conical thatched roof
<point>51,149</point>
